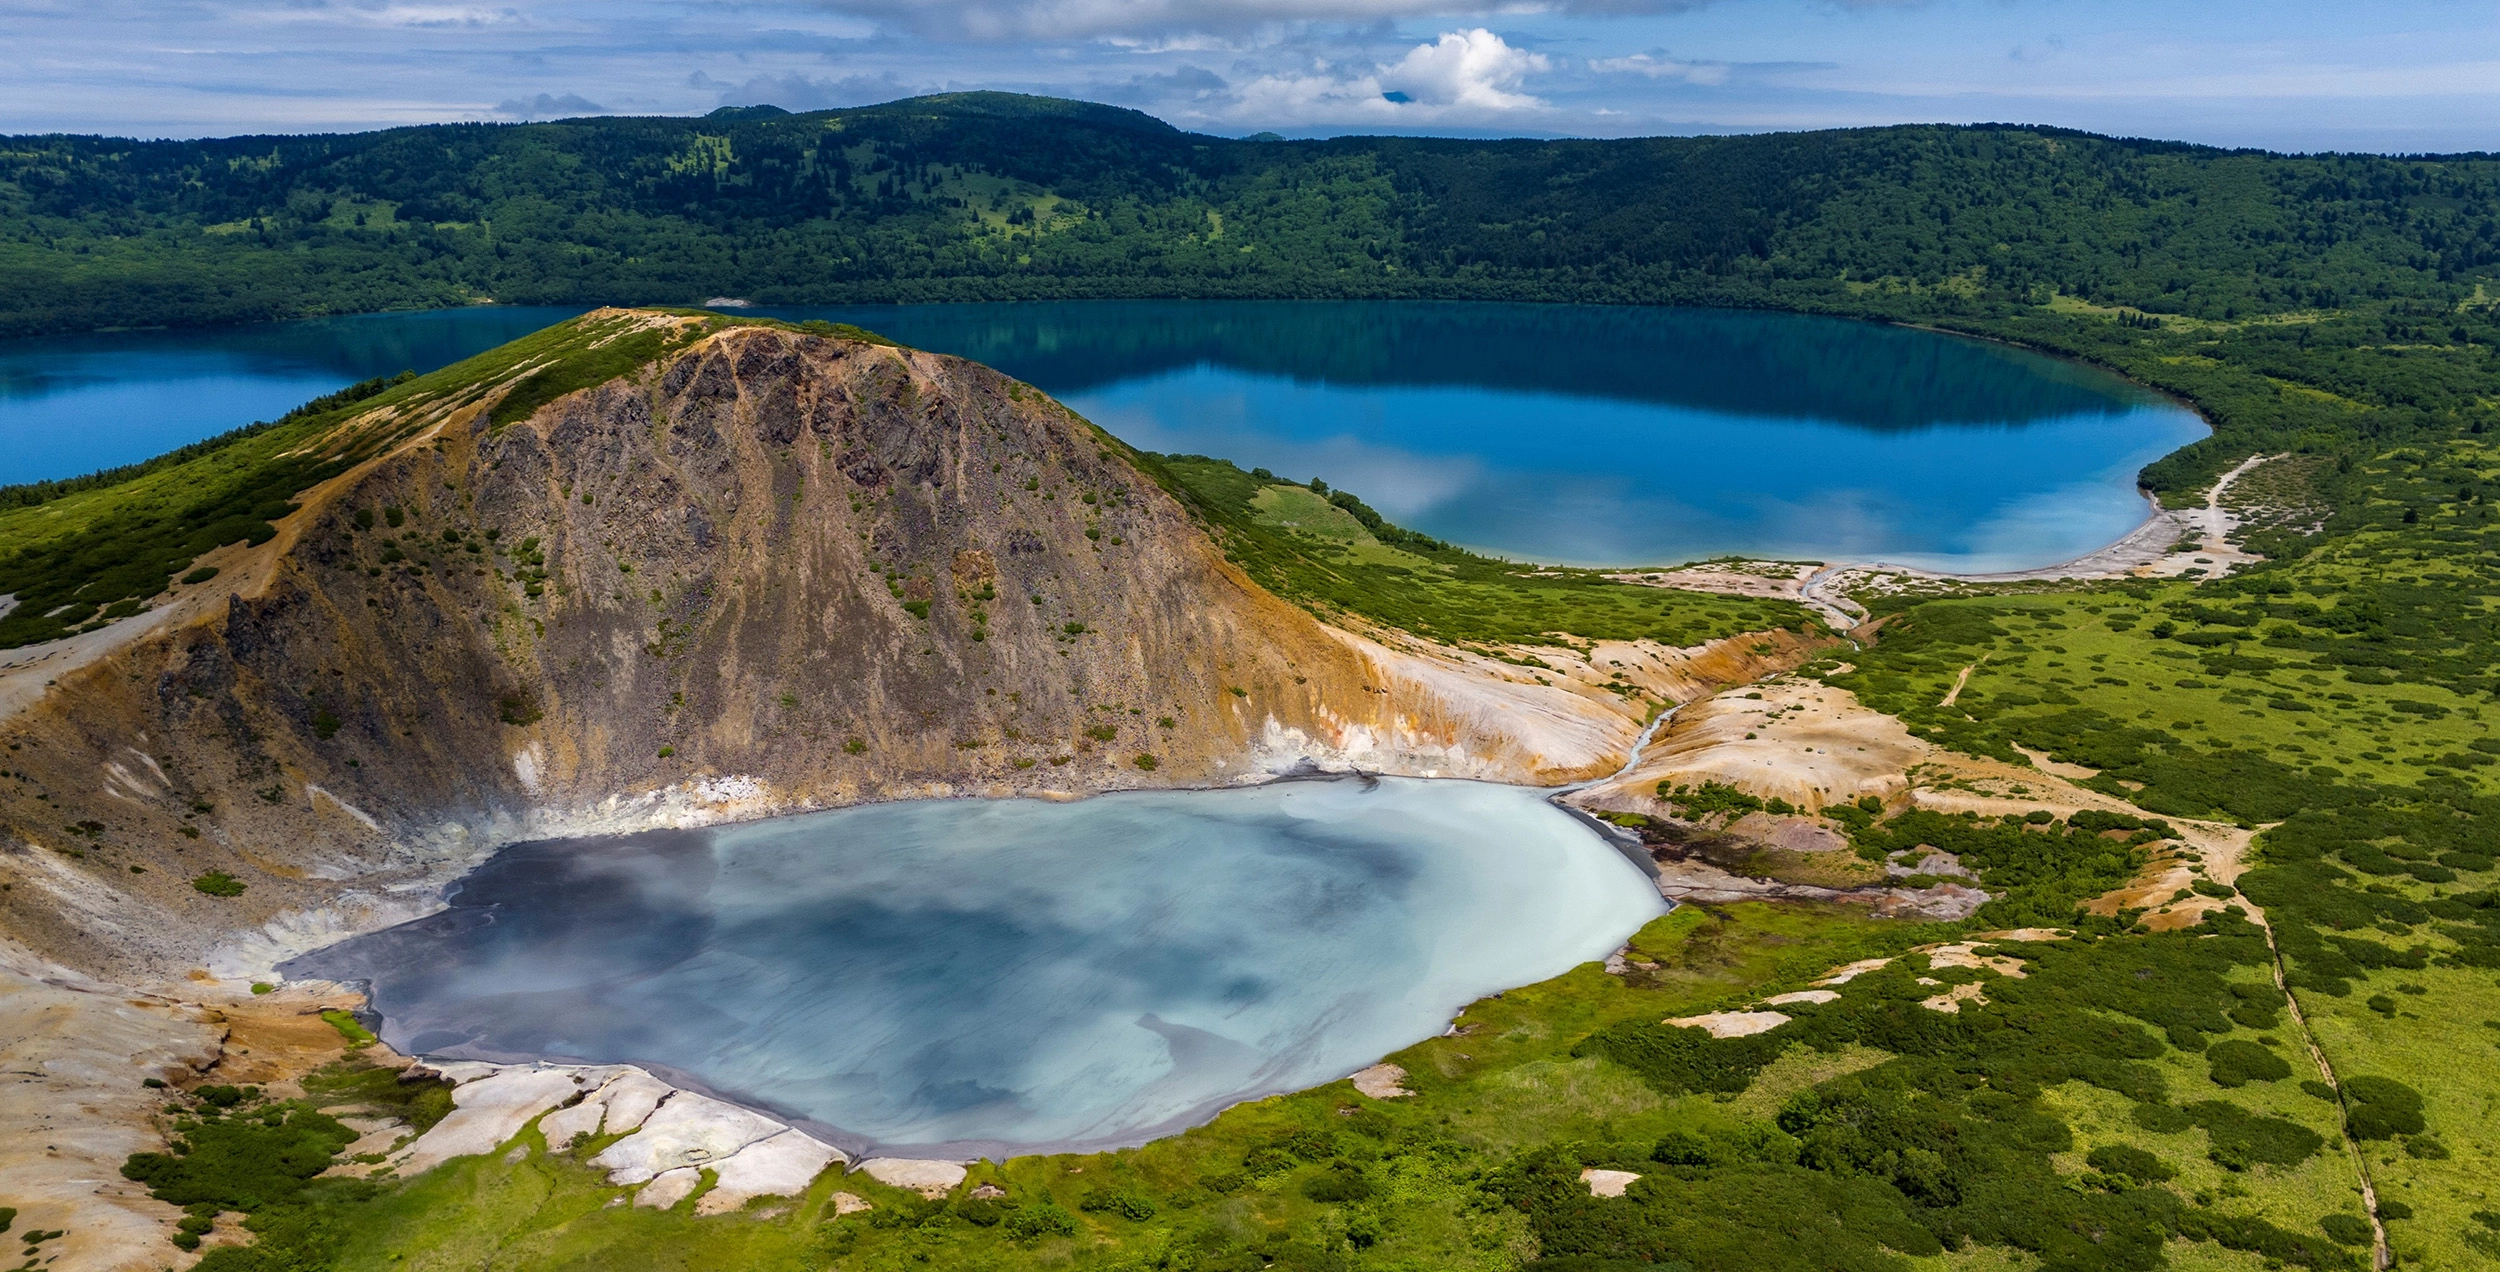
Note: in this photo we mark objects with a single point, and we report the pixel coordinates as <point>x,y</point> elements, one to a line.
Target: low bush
<point>1341,1181</point>
<point>2242,1139</point>
<point>2236,1062</point>
<point>1036,1222</point>
<point>2351,1230</point>
<point>2134,1163</point>
<point>2381,1108</point>
<point>217,883</point>
<point>242,1163</point>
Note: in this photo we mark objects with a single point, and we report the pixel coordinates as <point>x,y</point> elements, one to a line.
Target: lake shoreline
<point>1418,911</point>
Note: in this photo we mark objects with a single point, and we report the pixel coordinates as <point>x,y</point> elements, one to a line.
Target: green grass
<point>1339,559</point>
<point>349,1028</point>
<point>2107,678</point>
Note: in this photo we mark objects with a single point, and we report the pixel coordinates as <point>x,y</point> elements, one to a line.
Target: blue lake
<point>987,976</point>
<point>79,403</point>
<point>1560,433</point>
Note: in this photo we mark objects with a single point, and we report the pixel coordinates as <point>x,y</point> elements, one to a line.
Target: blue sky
<point>2291,74</point>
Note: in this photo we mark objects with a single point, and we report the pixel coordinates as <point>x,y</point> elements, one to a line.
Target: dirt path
<point>2228,870</point>
<point>1961,681</point>
<point>2224,851</point>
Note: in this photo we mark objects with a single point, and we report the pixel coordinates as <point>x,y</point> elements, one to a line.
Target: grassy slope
<point>1302,547</point>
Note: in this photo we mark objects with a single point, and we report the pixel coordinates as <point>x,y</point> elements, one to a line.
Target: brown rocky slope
<point>771,570</point>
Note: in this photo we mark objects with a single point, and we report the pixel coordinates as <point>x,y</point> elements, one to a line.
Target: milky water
<point>1001,975</point>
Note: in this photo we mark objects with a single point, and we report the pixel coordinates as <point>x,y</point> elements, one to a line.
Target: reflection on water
<point>1571,433</point>
<point>1602,435</point>
<point>994,974</point>
<point>1732,362</point>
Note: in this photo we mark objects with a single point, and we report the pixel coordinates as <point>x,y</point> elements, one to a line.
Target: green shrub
<point>2242,1139</point>
<point>1708,798</point>
<point>1033,1223</point>
<point>217,883</point>
<point>2256,1236</point>
<point>1147,762</point>
<point>2236,1062</point>
<point>1342,1181</point>
<point>2351,1230</point>
<point>2381,1108</point>
<point>1680,1060</point>
<point>2134,1163</point>
<point>1133,1206</point>
<point>242,1163</point>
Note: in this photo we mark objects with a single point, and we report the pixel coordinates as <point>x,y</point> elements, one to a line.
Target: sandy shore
<point>2151,550</point>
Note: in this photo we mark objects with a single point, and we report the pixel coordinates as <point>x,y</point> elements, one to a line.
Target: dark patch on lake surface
<point>995,975</point>
<point>1562,433</point>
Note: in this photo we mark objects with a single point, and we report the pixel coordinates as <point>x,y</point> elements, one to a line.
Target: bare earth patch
<point>1607,1183</point>
<point>1382,1082</point>
<point>1733,1024</point>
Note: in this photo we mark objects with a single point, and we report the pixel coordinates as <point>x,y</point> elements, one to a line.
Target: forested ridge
<point>2283,293</point>
<point>992,196</point>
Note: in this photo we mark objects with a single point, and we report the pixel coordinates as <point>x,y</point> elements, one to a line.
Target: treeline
<point>990,196</point>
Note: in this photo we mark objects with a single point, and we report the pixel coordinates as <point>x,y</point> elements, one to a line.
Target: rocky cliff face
<point>769,571</point>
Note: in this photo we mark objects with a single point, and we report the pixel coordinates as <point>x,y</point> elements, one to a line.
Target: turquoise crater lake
<point>995,976</point>
<point>1559,433</point>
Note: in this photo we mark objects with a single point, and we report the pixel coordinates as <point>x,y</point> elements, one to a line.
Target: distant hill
<point>998,196</point>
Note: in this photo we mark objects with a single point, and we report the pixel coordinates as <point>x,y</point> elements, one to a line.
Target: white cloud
<point>1659,66</point>
<point>1459,78</point>
<point>1466,69</point>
